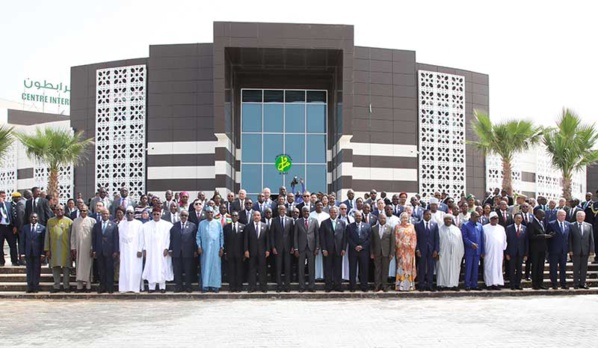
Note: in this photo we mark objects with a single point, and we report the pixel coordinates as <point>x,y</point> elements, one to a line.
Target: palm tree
<point>55,147</point>
<point>504,139</point>
<point>6,139</point>
<point>571,147</point>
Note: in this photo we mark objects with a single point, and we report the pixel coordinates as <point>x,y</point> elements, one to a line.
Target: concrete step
<point>47,286</point>
<point>320,295</point>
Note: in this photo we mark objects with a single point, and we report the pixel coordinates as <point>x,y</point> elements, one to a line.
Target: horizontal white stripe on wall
<point>223,168</point>
<point>181,148</point>
<point>182,172</point>
<point>391,174</point>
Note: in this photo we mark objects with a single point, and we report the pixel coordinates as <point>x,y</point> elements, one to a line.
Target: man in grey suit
<point>172,214</point>
<point>103,197</point>
<point>581,246</point>
<point>382,249</point>
<point>306,245</point>
<point>124,201</point>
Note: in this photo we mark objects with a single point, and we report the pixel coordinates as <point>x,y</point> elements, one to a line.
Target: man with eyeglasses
<point>158,263</point>
<point>58,248</point>
<point>130,231</point>
<point>306,202</point>
<point>81,248</point>
<point>197,214</point>
<point>183,250</point>
<point>246,214</point>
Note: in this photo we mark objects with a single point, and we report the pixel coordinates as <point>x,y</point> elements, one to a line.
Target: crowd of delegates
<point>399,242</point>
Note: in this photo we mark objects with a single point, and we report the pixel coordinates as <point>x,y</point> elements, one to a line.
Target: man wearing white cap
<point>131,247</point>
<point>495,244</point>
<point>437,215</point>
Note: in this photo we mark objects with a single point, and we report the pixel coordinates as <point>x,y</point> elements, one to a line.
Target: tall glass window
<point>276,122</point>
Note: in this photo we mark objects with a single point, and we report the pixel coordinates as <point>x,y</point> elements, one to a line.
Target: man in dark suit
<point>105,249</point>
<point>306,244</point>
<point>517,248</point>
<point>6,231</point>
<point>102,197</point>
<point>240,203</point>
<point>281,232</point>
<point>537,246</point>
<point>246,215</point>
<point>333,241</point>
<point>182,249</point>
<point>572,210</point>
<point>38,205</point>
<point>427,251</point>
<point>558,247</point>
<point>306,202</point>
<point>382,250</point>
<point>234,238</point>
<point>197,214</point>
<point>504,217</point>
<point>17,215</point>
<point>368,217</point>
<point>358,237</point>
<point>257,251</point>
<point>350,199</point>
<point>31,248</point>
<point>581,247</point>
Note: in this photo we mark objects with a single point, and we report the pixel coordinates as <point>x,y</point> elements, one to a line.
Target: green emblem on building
<point>283,163</point>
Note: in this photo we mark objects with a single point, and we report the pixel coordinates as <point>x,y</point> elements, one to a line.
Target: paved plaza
<point>488,322</point>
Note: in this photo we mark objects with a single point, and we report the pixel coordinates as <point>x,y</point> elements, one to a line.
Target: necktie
<point>504,216</point>
<point>333,225</point>
<point>257,230</point>
<point>198,215</point>
<point>518,231</point>
<point>526,219</point>
<point>359,230</point>
<point>122,203</point>
<point>305,221</point>
<point>282,223</point>
<point>103,227</point>
<point>34,227</point>
<point>223,220</point>
<point>381,230</point>
<point>580,229</point>
<point>427,227</point>
<point>236,228</point>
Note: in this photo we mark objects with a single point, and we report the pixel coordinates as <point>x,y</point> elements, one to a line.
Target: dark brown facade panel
<point>383,185</point>
<point>528,177</point>
<point>384,161</point>
<point>366,88</point>
<point>165,87</point>
<point>373,53</point>
<point>363,125</point>
<point>374,100</point>
<point>28,118</point>
<point>372,77</point>
<point>187,74</point>
<point>158,185</point>
<point>404,80</point>
<point>377,113</point>
<point>405,127</point>
<point>403,56</point>
<point>480,89</point>
<point>180,160</point>
<point>405,103</point>
<point>478,78</point>
<point>404,115</point>
<point>404,67</point>
<point>404,91</point>
<point>222,154</point>
<point>26,173</point>
<point>180,50</point>
<point>225,181</point>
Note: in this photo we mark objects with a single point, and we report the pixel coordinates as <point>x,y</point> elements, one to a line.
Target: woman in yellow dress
<point>406,240</point>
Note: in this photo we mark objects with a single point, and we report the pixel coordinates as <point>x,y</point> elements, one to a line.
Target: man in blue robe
<point>210,247</point>
<point>473,238</point>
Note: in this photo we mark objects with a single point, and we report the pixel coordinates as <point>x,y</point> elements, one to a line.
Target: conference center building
<point>267,102</point>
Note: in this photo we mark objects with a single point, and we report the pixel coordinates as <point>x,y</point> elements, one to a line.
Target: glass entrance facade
<point>283,122</point>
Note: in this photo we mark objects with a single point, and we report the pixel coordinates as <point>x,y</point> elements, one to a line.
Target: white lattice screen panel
<point>8,170</point>
<point>441,133</point>
<point>65,180</point>
<point>494,173</point>
<point>548,179</point>
<point>120,129</point>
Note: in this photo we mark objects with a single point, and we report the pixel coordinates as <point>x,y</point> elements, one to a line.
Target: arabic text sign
<point>40,89</point>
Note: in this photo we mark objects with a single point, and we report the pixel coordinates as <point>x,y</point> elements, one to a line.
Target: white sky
<point>541,55</point>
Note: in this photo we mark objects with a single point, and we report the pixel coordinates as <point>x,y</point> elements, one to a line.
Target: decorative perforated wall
<point>65,180</point>
<point>120,129</point>
<point>494,173</point>
<point>441,133</point>
<point>8,170</point>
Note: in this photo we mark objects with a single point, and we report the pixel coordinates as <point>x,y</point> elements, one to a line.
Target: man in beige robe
<point>81,248</point>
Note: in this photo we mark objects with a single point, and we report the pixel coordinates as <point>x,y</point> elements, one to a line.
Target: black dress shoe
<point>467,289</point>
<point>586,287</point>
<point>53,291</point>
<point>301,290</point>
<point>542,287</point>
<point>311,290</point>
<point>29,291</point>
<point>163,291</point>
<point>189,290</point>
<point>565,287</point>
<point>287,290</point>
<point>149,291</point>
<point>264,291</point>
<point>576,287</point>
<point>477,289</point>
<point>177,291</point>
<point>554,287</point>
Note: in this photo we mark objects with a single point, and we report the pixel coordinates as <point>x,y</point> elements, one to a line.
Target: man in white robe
<point>450,254</point>
<point>437,215</point>
<point>81,245</point>
<point>131,247</point>
<point>156,241</point>
<point>495,244</point>
<point>320,215</point>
